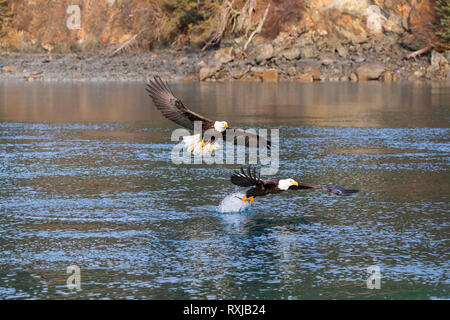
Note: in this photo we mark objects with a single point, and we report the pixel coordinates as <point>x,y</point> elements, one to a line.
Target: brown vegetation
<point>136,23</point>
<point>443,12</point>
<point>5,14</point>
<point>118,25</point>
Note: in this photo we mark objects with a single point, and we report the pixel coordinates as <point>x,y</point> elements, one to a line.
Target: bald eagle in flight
<point>173,109</point>
<point>260,187</point>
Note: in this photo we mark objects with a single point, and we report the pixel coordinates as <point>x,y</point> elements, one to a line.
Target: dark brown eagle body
<point>267,186</point>
<point>262,187</point>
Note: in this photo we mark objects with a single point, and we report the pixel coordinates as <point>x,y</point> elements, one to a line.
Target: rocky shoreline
<point>309,58</point>
<point>270,41</point>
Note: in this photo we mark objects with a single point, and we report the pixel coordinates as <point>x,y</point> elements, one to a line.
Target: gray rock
<point>327,59</point>
<point>359,59</point>
<point>292,71</point>
<point>207,72</point>
<point>265,52</point>
<point>366,46</point>
<point>341,51</point>
<point>307,52</point>
<point>291,53</point>
<point>224,55</point>
<point>370,71</point>
<point>358,39</point>
<point>437,60</point>
<point>447,55</point>
<point>305,40</point>
<point>335,45</point>
<point>258,70</point>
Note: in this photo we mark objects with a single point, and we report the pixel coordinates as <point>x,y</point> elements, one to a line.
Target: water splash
<point>233,203</point>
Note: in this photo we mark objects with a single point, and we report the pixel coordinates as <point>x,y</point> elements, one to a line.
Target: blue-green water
<point>87,180</point>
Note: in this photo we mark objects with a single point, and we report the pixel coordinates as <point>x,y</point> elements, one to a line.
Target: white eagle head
<point>284,184</point>
<point>220,126</point>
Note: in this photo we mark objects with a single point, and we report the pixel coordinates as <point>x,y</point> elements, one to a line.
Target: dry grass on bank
<point>139,24</point>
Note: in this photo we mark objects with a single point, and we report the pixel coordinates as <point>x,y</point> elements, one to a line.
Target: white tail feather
<point>190,142</point>
<point>194,144</point>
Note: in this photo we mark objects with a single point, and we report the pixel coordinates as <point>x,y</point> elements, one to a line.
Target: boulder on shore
<point>370,71</point>
<point>265,52</point>
<point>270,75</point>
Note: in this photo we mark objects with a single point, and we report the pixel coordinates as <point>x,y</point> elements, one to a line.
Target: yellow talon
<point>244,199</point>
<point>211,149</point>
<point>250,200</point>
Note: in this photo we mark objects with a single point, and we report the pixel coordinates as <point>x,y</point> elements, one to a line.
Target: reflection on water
<point>322,104</point>
<point>87,180</point>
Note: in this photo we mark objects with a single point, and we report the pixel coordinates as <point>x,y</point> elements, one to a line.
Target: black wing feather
<point>243,179</point>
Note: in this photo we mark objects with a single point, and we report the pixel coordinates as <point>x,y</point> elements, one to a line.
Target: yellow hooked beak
<point>203,143</point>
<point>225,125</point>
<point>295,183</point>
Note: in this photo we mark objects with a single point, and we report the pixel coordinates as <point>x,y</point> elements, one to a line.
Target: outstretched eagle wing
<point>335,190</point>
<point>243,179</point>
<point>172,108</point>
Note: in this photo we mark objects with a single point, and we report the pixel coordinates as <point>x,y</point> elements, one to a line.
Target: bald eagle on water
<point>173,109</point>
<point>262,187</point>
